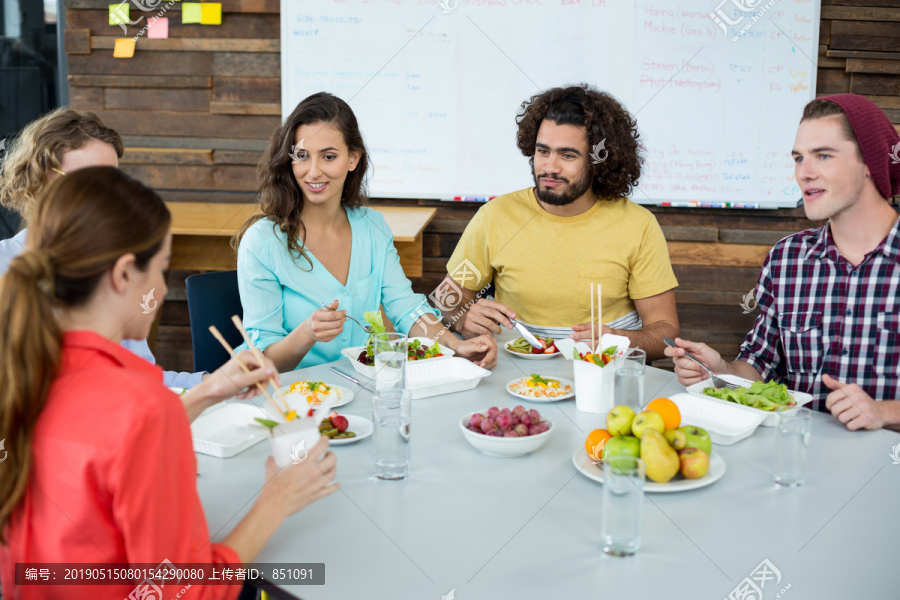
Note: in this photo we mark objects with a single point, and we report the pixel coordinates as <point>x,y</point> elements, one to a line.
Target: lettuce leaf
<point>374,319</point>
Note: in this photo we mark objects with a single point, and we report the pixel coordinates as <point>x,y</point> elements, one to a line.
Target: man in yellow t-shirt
<point>544,247</point>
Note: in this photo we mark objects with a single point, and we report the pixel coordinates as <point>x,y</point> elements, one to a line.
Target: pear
<point>660,458</point>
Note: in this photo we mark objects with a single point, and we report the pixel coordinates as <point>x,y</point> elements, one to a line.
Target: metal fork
<point>367,328</point>
<point>718,382</point>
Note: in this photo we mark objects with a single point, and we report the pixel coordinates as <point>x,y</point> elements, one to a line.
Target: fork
<point>367,328</point>
<point>718,382</point>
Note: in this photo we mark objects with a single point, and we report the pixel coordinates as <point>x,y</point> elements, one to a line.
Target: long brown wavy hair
<point>605,119</point>
<point>280,196</point>
<point>39,149</point>
<point>61,266</point>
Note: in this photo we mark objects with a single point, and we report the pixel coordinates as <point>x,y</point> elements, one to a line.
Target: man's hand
<point>850,405</point>
<point>481,350</point>
<point>483,316</point>
<point>688,371</point>
<point>582,332</point>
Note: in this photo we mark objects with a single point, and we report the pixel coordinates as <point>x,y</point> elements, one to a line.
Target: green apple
<point>618,421</point>
<point>694,463</point>
<point>645,419</point>
<point>623,445</point>
<point>697,438</point>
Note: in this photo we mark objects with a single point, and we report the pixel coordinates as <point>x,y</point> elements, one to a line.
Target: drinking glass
<point>623,505</point>
<point>390,361</point>
<point>630,378</point>
<point>391,415</point>
<point>791,445</point>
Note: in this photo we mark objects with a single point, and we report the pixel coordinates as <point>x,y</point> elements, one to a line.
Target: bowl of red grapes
<point>506,432</point>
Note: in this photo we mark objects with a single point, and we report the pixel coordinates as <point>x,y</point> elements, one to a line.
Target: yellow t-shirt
<point>542,265</point>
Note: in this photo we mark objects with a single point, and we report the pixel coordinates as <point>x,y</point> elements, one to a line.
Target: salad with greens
<point>416,350</point>
<point>764,396</point>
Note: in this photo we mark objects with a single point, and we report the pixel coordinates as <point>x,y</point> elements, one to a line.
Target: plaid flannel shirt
<point>820,314</point>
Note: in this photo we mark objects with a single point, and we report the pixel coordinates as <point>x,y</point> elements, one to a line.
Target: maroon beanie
<point>877,140</point>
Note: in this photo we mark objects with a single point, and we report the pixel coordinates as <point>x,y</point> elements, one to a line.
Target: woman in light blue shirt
<point>317,245</point>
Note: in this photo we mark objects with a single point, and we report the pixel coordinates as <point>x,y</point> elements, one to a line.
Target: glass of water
<point>792,445</point>
<point>391,415</point>
<point>390,361</point>
<point>623,505</point>
<point>630,378</point>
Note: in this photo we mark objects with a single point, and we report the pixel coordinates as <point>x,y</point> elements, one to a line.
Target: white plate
<point>352,354</point>
<point>346,397</point>
<point>585,465</point>
<point>433,378</point>
<point>361,426</point>
<point>725,422</point>
<point>540,400</point>
<point>226,429</point>
<point>528,356</point>
<point>771,419</point>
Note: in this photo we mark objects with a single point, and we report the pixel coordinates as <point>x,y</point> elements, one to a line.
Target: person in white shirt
<point>60,142</point>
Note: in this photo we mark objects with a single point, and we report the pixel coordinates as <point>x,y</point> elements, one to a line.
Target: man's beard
<point>570,193</point>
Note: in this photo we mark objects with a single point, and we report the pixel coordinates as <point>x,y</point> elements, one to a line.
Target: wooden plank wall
<point>196,110</point>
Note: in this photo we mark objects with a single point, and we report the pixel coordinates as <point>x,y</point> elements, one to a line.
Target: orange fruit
<point>594,443</point>
<point>668,410</point>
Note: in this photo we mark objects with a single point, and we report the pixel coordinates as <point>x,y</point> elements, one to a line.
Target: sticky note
<point>190,12</point>
<point>211,13</point>
<point>158,29</point>
<point>118,14</point>
<point>124,48</point>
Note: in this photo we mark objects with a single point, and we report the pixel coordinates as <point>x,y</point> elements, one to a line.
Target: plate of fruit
<point>339,429</point>
<point>677,457</point>
<point>506,432</point>
<point>520,348</point>
<point>537,388</point>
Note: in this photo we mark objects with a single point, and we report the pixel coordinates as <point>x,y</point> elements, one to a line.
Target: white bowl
<point>502,446</point>
<point>353,353</point>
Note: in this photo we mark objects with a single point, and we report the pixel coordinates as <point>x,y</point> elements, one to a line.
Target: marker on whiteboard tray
<point>744,205</point>
<point>713,205</point>
<point>687,204</point>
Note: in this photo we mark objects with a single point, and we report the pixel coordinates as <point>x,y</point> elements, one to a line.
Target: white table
<point>494,528</point>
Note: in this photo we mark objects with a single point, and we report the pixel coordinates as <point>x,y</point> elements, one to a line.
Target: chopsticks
<point>599,315</point>
<point>217,334</point>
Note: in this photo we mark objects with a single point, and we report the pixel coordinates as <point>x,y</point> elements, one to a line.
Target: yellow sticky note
<point>211,13</point>
<point>118,14</point>
<point>124,48</point>
<point>190,12</point>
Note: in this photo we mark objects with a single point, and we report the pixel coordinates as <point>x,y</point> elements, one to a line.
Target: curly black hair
<point>605,119</point>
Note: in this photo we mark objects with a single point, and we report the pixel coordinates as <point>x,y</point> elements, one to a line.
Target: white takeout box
<point>450,375</point>
<point>291,441</point>
<point>352,354</point>
<point>595,386</point>
<point>725,422</point>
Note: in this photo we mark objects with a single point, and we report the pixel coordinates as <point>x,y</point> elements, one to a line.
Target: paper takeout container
<point>595,386</point>
<point>291,441</point>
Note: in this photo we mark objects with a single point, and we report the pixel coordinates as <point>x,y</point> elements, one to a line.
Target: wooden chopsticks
<point>218,335</point>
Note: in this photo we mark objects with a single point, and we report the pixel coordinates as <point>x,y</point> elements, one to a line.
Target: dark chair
<point>212,300</point>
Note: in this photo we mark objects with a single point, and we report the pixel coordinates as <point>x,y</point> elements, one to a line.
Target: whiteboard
<point>717,90</point>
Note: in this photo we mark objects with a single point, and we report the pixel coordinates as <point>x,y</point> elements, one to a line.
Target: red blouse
<point>113,480</point>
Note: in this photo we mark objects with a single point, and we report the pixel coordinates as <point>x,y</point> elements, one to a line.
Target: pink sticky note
<point>158,29</point>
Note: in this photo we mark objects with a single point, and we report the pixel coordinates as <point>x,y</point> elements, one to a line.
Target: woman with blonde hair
<point>61,142</point>
<point>100,465</point>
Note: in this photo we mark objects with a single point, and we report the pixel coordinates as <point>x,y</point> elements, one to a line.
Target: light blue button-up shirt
<point>279,290</point>
<point>14,246</point>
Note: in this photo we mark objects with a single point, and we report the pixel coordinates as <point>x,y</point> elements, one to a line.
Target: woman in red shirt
<point>99,465</point>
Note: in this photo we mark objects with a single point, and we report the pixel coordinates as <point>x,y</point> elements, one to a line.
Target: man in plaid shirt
<point>828,323</point>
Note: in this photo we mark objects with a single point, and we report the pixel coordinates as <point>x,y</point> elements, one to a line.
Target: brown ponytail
<point>63,261</point>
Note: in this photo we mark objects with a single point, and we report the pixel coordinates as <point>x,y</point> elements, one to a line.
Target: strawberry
<point>340,423</point>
